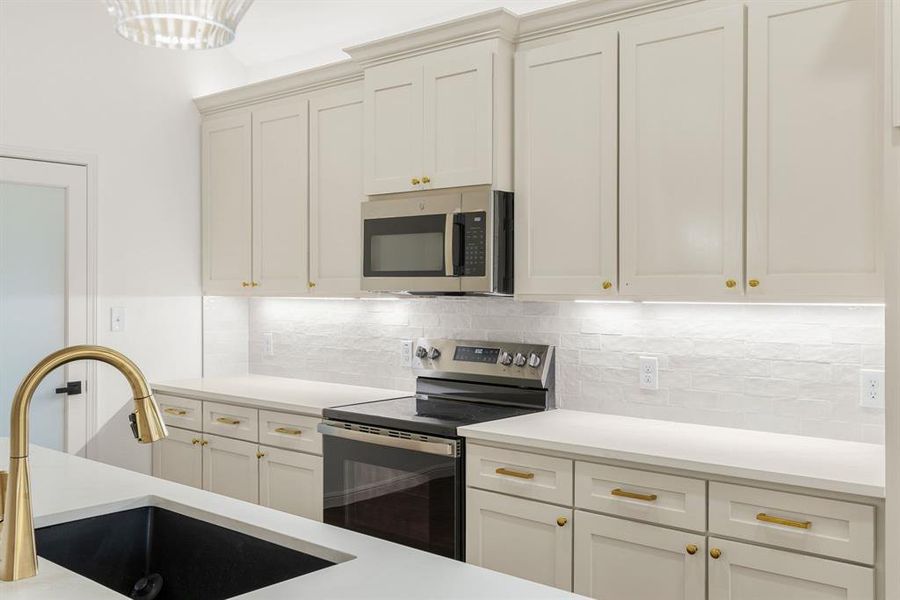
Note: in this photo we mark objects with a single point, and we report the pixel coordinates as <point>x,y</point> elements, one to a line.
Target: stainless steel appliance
<point>454,241</point>
<point>395,469</point>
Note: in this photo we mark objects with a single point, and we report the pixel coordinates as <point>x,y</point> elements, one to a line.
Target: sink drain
<point>147,588</point>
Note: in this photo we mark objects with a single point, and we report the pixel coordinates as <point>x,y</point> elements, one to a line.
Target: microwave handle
<point>449,234</point>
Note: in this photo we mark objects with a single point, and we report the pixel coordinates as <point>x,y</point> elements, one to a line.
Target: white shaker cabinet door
<point>616,558</point>
<point>528,539</point>
<point>226,204</point>
<point>280,201</point>
<point>681,156</point>
<point>566,167</point>
<point>179,458</point>
<point>745,572</point>
<point>458,118</point>
<point>335,191</point>
<point>231,468</point>
<point>393,127</point>
<point>815,113</point>
<point>291,481</point>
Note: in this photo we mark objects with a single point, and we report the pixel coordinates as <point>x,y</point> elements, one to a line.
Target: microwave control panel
<point>474,243</point>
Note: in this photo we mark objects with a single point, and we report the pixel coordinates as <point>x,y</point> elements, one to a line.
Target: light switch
<point>117,318</point>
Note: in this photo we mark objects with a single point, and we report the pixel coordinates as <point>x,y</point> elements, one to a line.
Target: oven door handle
<point>442,448</point>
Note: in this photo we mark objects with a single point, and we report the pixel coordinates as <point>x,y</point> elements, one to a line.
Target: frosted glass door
<point>38,275</point>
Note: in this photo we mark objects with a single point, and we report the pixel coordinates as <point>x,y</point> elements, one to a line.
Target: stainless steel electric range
<point>395,469</point>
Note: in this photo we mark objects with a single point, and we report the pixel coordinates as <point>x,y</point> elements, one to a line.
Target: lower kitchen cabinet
<point>179,458</point>
<point>616,558</point>
<point>231,468</point>
<point>528,539</point>
<point>291,482</point>
<point>744,572</point>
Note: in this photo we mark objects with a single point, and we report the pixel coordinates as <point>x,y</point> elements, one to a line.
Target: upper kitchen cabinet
<point>815,113</point>
<point>566,167</point>
<point>335,190</point>
<point>439,119</point>
<point>227,196</point>
<point>681,156</point>
<point>280,200</point>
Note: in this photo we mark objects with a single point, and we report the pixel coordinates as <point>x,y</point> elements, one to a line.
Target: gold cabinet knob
<point>245,284</point>
<point>715,553</point>
<point>730,283</point>
<point>204,442</point>
<point>254,284</point>
<point>607,284</point>
<point>691,549</point>
<point>753,283</point>
<point>415,181</point>
<point>311,284</point>
<point>260,454</point>
<point>561,521</point>
<point>426,179</point>
<point>195,441</point>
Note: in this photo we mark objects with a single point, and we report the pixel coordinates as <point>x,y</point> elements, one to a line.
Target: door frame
<point>72,443</point>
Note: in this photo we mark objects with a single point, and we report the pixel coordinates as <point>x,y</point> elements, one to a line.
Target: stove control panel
<point>490,361</point>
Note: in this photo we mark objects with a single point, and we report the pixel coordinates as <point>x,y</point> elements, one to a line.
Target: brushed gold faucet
<point>18,555</point>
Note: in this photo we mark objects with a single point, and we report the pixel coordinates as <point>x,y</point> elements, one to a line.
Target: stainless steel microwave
<point>456,241</point>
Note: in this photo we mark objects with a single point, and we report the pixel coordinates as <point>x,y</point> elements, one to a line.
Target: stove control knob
<point>534,360</point>
<point>421,352</point>
<point>519,360</point>
<point>434,354</point>
<point>505,358</point>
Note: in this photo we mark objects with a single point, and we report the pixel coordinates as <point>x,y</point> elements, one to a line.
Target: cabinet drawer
<point>816,525</point>
<point>231,421</point>
<point>181,412</point>
<point>654,497</point>
<point>520,473</point>
<point>294,432</point>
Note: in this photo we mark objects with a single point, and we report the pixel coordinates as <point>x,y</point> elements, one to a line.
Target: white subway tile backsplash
<point>791,369</point>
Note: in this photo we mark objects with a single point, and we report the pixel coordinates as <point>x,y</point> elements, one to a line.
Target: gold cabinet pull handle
<point>753,283</point>
<point>715,553</point>
<point>245,284</point>
<point>288,431</point>
<point>311,284</point>
<point>260,454</point>
<point>633,495</point>
<point>195,441</point>
<point>730,283</point>
<point>426,179</point>
<point>175,411</point>
<point>415,181</point>
<point>511,473</point>
<point>782,521</point>
<point>254,284</point>
<point>228,421</point>
<point>607,284</point>
<point>691,549</point>
<point>561,521</point>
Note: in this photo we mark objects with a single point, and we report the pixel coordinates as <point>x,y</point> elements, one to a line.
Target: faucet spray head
<point>146,421</point>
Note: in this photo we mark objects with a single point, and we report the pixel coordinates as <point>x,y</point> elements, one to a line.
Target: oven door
<point>412,244</point>
<point>407,491</point>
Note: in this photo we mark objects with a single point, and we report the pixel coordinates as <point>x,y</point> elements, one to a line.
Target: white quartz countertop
<point>67,487</point>
<point>276,393</point>
<point>833,465</point>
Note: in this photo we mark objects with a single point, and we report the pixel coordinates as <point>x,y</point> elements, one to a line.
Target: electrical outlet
<point>871,388</point>
<point>649,373</point>
<point>406,353</point>
<point>269,338</point>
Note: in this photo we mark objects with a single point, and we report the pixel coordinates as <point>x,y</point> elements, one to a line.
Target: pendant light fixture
<point>180,24</point>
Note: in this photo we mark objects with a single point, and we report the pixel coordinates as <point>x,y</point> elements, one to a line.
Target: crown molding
<point>489,25</point>
<point>345,71</point>
<point>586,13</point>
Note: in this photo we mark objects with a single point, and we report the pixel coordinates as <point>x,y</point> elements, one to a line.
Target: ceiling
<point>277,37</point>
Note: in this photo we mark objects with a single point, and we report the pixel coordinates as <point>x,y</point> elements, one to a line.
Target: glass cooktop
<point>434,416</point>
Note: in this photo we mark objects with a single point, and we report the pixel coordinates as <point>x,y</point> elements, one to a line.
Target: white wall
<point>68,82</point>
<point>789,369</point>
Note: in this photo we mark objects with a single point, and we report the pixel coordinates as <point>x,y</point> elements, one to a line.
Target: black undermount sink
<point>151,552</point>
